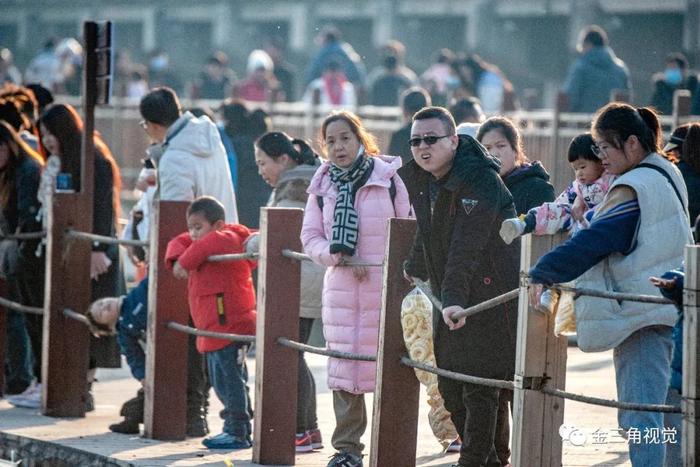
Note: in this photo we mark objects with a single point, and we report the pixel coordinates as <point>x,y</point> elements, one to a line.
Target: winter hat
<point>468,129</point>
<point>259,59</point>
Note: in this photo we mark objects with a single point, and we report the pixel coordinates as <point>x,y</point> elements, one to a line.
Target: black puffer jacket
<point>466,260</point>
<point>530,187</point>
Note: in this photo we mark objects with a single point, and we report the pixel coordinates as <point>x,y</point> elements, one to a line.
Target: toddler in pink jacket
<point>352,196</point>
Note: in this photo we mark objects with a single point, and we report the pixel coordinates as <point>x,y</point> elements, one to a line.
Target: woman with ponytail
<point>639,230</point>
<point>288,165</point>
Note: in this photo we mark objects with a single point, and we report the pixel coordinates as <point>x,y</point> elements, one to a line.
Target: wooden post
<point>396,394</point>
<point>560,172</point>
<point>66,342</point>
<point>166,350</point>
<point>536,416</point>
<point>3,334</point>
<point>278,316</point>
<point>682,103</point>
<point>690,401</point>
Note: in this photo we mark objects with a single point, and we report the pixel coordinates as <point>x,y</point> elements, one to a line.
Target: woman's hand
<point>99,264</point>
<point>447,317</point>
<point>534,293</point>
<point>360,272</point>
<point>411,280</point>
<point>179,272</point>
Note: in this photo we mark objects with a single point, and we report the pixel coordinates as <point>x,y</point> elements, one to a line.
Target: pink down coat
<point>351,308</point>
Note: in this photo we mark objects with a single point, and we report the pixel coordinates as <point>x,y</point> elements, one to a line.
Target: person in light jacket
<point>350,224</point>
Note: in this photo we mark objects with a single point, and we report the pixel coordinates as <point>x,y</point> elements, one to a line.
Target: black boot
<point>197,392</point>
<point>197,425</point>
<point>128,426</point>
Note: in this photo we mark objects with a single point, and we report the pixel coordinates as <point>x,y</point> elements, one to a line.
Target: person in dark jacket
<point>674,77</point>
<point>528,183</point>
<point>595,74</point>
<point>412,100</point>
<point>684,147</point>
<point>454,180</point>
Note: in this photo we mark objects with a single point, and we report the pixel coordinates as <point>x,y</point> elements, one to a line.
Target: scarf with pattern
<point>345,221</point>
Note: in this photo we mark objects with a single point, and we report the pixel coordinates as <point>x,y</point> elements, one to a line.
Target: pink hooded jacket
<point>351,308</point>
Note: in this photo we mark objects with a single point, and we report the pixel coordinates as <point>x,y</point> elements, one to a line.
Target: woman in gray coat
<point>288,165</point>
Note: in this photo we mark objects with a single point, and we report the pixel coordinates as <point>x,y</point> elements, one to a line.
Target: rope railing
<point>326,352</point>
<point>472,310</point>
<point>493,383</point>
<point>76,316</point>
<point>24,236</point>
<point>611,403</point>
<point>102,239</point>
<point>287,253</point>
<point>232,257</point>
<point>14,306</point>
<point>217,335</point>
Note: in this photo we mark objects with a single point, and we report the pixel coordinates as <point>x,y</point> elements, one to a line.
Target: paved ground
<point>588,373</point>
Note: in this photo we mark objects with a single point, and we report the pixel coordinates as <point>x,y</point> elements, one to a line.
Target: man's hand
<point>99,264</point>
<point>179,272</point>
<point>447,317</point>
<point>534,293</point>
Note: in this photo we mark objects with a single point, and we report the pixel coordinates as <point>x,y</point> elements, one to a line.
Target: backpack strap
<point>667,176</point>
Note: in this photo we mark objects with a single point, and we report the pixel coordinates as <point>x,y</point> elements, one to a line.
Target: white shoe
<point>29,399</point>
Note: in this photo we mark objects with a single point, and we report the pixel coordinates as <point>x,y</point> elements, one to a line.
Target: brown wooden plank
<point>3,335</point>
<point>397,389</point>
<point>690,438</point>
<point>66,343</point>
<point>278,316</point>
<point>537,417</point>
<point>166,350</point>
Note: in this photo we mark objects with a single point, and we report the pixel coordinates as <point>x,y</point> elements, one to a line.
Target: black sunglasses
<point>429,140</point>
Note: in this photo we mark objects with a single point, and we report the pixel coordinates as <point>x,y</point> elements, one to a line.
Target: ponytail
<point>652,141</point>
<point>690,151</point>
<point>304,155</point>
<point>277,143</point>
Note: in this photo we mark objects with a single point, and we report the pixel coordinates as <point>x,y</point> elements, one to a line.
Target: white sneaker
<point>29,399</point>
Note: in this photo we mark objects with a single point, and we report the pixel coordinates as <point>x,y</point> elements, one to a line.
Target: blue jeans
<point>18,364</point>
<point>672,421</point>
<point>643,370</point>
<point>228,375</point>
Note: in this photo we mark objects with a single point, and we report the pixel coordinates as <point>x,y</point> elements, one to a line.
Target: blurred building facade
<point>533,41</point>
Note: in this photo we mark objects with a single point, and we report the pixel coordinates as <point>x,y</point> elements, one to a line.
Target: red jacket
<point>221,294</point>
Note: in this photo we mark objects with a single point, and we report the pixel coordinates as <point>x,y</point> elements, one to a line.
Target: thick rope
<point>328,353</point>
<point>101,239</point>
<point>472,310</point>
<point>492,383</point>
<point>216,335</point>
<point>345,262</point>
<point>232,257</point>
<point>24,236</point>
<point>611,403</point>
<point>14,306</point>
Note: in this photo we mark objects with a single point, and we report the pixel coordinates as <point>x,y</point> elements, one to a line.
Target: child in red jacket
<point>222,299</point>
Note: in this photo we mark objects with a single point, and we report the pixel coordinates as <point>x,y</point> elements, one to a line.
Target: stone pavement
<point>591,374</point>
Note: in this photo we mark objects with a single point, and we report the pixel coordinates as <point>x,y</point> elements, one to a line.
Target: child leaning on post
<point>127,317</point>
<point>222,299</point>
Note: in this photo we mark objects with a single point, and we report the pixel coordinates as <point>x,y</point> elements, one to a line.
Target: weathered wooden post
<point>3,334</point>
<point>690,402</point>
<point>66,342</point>
<point>540,356</point>
<point>276,367</point>
<point>166,350</point>
<point>397,391</point>
<point>682,104</point>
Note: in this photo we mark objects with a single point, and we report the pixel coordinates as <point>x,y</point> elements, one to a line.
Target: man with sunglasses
<point>460,201</point>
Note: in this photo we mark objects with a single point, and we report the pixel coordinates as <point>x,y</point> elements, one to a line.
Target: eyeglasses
<point>429,140</point>
<point>143,124</point>
<point>599,152</point>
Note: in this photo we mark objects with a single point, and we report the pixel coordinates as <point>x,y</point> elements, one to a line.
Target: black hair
<point>595,35</point>
<point>690,150</point>
<point>258,123</point>
<point>616,122</point>
<point>10,113</point>
<point>277,143</point>
<point>160,106</point>
<point>413,99</point>
<point>208,206</point>
<point>679,59</point>
<point>467,109</point>
<point>580,147</point>
<point>43,96</point>
<point>441,114</point>
<point>201,112</point>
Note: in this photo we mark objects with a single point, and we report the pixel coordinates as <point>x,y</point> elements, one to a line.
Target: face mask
<point>673,76</point>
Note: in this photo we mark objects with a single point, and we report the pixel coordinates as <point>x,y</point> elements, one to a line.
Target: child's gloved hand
<point>252,243</point>
<point>511,229</point>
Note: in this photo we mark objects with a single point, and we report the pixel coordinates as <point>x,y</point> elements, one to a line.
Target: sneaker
<point>226,441</point>
<point>302,442</point>
<point>126,426</point>
<point>316,440</point>
<point>345,459</point>
<point>29,399</point>
<point>455,446</point>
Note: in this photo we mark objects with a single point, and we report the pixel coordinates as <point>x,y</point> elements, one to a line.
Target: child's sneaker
<point>345,459</point>
<point>303,442</point>
<point>316,440</point>
<point>455,446</point>
<point>226,441</point>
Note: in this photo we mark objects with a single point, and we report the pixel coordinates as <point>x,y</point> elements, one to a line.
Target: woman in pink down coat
<point>352,196</point>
